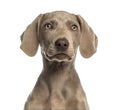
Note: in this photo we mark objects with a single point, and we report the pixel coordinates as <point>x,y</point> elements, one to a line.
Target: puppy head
<point>59,35</point>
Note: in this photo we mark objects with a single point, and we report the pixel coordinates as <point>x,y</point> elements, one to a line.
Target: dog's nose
<point>62,44</point>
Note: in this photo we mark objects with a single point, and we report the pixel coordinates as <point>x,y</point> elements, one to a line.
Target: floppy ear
<point>29,38</point>
<point>88,39</point>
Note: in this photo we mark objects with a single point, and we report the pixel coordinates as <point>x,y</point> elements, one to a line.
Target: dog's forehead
<point>59,15</point>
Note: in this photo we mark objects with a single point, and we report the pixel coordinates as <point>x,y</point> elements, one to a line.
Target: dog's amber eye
<point>74,27</point>
<point>48,26</point>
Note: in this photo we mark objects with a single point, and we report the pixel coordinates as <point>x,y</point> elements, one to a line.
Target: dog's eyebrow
<point>52,21</point>
<point>71,22</point>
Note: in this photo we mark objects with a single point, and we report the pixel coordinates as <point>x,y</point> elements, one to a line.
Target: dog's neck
<point>56,73</point>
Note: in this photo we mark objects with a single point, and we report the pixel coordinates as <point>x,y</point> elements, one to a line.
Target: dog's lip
<point>62,55</point>
<point>59,57</point>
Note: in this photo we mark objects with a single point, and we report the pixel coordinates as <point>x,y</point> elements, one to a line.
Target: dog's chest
<point>57,100</point>
<point>55,95</point>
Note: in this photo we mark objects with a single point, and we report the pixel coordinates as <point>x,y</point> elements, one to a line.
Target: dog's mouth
<point>59,57</point>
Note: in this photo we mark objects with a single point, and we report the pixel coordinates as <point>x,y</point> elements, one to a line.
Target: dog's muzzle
<point>59,51</point>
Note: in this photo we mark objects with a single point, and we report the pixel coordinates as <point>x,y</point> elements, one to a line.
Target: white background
<point>99,74</point>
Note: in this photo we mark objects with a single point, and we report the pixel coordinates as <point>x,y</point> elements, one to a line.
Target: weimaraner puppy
<point>59,34</point>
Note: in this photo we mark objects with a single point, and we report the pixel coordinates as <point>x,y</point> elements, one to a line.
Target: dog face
<point>59,34</point>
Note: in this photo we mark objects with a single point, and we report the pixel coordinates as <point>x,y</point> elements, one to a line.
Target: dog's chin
<point>60,57</point>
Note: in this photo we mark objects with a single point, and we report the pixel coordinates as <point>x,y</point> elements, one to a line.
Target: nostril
<point>57,44</point>
<point>65,45</point>
<point>61,44</point>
